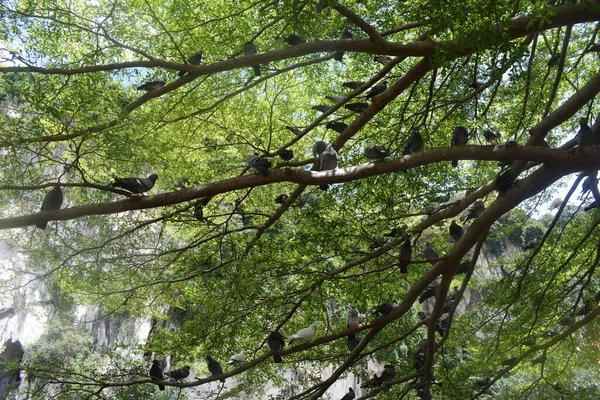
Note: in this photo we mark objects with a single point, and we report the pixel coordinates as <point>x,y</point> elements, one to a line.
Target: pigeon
<point>585,309</point>
<point>462,268</point>
<point>441,326</point>
<point>585,136</point>
<point>321,108</point>
<point>405,255</point>
<point>567,321</point>
<point>510,362</point>
<point>377,90</point>
<point>249,49</point>
<point>422,315</point>
<point>353,84</point>
<point>294,129</point>
<point>339,55</point>
<point>335,99</point>
<point>294,40</point>
<point>52,201</point>
<point>475,85</point>
<point>237,359</point>
<point>199,208</point>
<point>349,396</point>
<point>281,198</point>
<point>260,164</point>
<point>388,373</point>
<point>152,85</point>
<point>554,59</point>
<point>529,342</point>
<point>376,153</point>
<point>275,341</point>
<point>460,137</point>
<point>286,155</point>
<point>430,291</point>
<point>194,59</point>
<point>328,162</point>
<point>450,299</point>
<point>593,48</point>
<point>352,317</point>
<point>532,244</point>
<point>179,374</point>
<point>414,143</point>
<point>430,254</point>
<point>473,211</point>
<point>491,136</point>
<point>136,185</point>
<point>352,341</point>
<point>541,359</point>
<point>214,367</point>
<point>555,204</point>
<point>318,148</point>
<point>385,308</point>
<point>156,373</point>
<point>357,107</point>
<point>303,335</point>
<point>383,60</point>
<point>395,232</point>
<point>551,332</point>
<point>504,182</point>
<point>339,127</point>
<point>456,231</point>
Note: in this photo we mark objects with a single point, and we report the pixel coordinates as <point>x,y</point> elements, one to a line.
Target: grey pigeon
<point>179,374</point>
<point>352,317</point>
<point>532,244</point>
<point>156,373</point>
<point>504,182</point>
<point>429,291</point>
<point>529,342</point>
<point>194,59</point>
<point>214,367</point>
<point>339,127</point>
<point>456,231</point>
<point>430,254</point>
<point>441,326</point>
<point>385,308</point>
<point>294,129</point>
<point>462,268</point>
<point>52,201</point>
<point>321,107</point>
<point>383,60</point>
<point>405,255</point>
<point>318,148</point>
<point>260,164</point>
<point>349,396</point>
<point>567,321</point>
<point>586,308</point>
<point>460,137</point>
<point>353,84</point>
<point>199,208</point>
<point>357,107</point>
<point>294,40</point>
<point>281,198</point>
<point>346,34</point>
<point>473,211</point>
<point>540,360</point>
<point>554,59</point>
<point>152,85</point>
<point>249,49</point>
<point>511,362</point>
<point>551,332</point>
<point>377,89</point>
<point>352,341</point>
<point>593,48</point>
<point>303,335</point>
<point>388,374</point>
<point>585,136</point>
<point>414,143</point>
<point>286,155</point>
<point>491,135</point>
<point>136,185</point>
<point>328,162</point>
<point>475,85</point>
<point>335,99</point>
<point>376,153</point>
<point>276,342</point>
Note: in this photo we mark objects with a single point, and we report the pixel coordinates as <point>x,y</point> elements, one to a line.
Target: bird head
<point>153,177</point>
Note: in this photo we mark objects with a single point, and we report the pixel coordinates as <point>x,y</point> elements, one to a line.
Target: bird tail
<point>161,387</point>
<point>222,380</point>
<point>324,187</point>
<point>42,225</point>
<point>404,269</point>
<point>277,359</point>
<point>455,163</point>
<point>339,56</point>
<point>256,70</point>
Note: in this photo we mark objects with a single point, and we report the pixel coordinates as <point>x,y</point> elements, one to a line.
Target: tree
<point>247,265</point>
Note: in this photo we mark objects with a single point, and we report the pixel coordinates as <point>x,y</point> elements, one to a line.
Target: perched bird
<point>430,291</point>
<point>260,164</point>
<point>281,198</point>
<point>593,48</point>
<point>555,204</point>
<point>422,315</point>
<point>377,90</point>
<point>152,85</point>
<point>585,136</point>
<point>352,317</point>
<point>321,107</point>
<point>456,231</point>
<point>405,255</point>
<point>441,326</point>
<point>395,232</point>
<point>510,362</point>
<point>419,357</point>
<point>450,300</point>
<point>414,143</point>
<point>462,268</point>
<point>551,332</point>
<point>352,341</point>
<point>337,126</point>
<point>156,373</point>
<point>276,342</point>
<point>475,85</point>
<point>460,137</point>
<point>335,99</point>
<point>328,162</point>
<point>491,136</point>
<point>376,153</point>
<point>388,374</point>
<point>318,148</point>
<point>237,358</point>
<point>554,59</point>
<point>52,201</point>
<point>532,244</point>
<point>294,40</point>
<point>385,308</point>
<point>179,374</point>
<point>430,254</point>
<point>286,155</point>
<point>303,335</point>
<point>567,321</point>
<point>353,84</point>
<point>199,208</point>
<point>504,182</point>
<point>587,308</point>
<point>136,185</point>
<point>357,107</point>
<point>529,342</point>
<point>294,129</point>
<point>591,206</point>
<point>249,49</point>
<point>339,55</point>
<point>541,359</point>
<point>383,60</point>
<point>349,396</point>
<point>473,211</point>
<point>214,367</point>
<point>194,59</point>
